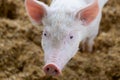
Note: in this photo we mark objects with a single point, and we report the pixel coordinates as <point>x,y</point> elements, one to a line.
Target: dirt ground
<point>21,56</point>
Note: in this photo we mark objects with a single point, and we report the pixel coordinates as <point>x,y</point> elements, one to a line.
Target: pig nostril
<point>56,71</point>
<point>47,69</point>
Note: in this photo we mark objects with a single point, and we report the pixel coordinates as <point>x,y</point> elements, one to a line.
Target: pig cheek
<point>45,47</point>
<point>47,55</point>
<point>72,47</point>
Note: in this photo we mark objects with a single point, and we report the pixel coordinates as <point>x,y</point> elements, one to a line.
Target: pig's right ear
<point>36,10</point>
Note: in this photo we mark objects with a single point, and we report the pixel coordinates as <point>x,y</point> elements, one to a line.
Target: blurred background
<point>21,55</point>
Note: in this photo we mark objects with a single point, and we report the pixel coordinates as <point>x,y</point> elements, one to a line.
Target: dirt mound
<point>21,56</point>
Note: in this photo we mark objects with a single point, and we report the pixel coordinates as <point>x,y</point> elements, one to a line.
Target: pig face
<point>63,31</point>
<point>59,41</point>
<point>59,47</point>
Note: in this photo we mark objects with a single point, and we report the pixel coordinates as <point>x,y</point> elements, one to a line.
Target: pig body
<point>66,24</point>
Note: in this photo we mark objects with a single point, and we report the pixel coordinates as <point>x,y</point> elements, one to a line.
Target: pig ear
<point>36,10</point>
<point>89,13</point>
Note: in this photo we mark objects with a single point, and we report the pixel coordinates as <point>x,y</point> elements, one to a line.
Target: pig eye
<point>71,37</point>
<point>45,34</point>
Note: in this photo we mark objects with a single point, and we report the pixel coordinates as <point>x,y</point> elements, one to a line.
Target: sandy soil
<point>21,56</point>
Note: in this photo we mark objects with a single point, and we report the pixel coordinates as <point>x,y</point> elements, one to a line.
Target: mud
<point>21,55</point>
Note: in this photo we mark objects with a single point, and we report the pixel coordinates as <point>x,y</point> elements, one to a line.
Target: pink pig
<point>66,24</point>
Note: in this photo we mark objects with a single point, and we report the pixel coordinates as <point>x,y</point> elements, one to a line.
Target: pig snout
<point>55,62</point>
<point>52,70</point>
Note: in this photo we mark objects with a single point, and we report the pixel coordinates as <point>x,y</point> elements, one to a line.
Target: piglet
<point>67,23</point>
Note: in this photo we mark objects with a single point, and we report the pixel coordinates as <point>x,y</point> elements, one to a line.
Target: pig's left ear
<point>36,10</point>
<point>89,13</point>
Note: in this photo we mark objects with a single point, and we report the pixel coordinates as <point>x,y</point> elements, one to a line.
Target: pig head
<point>66,24</point>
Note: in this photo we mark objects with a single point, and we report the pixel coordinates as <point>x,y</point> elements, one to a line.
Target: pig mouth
<point>52,70</point>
